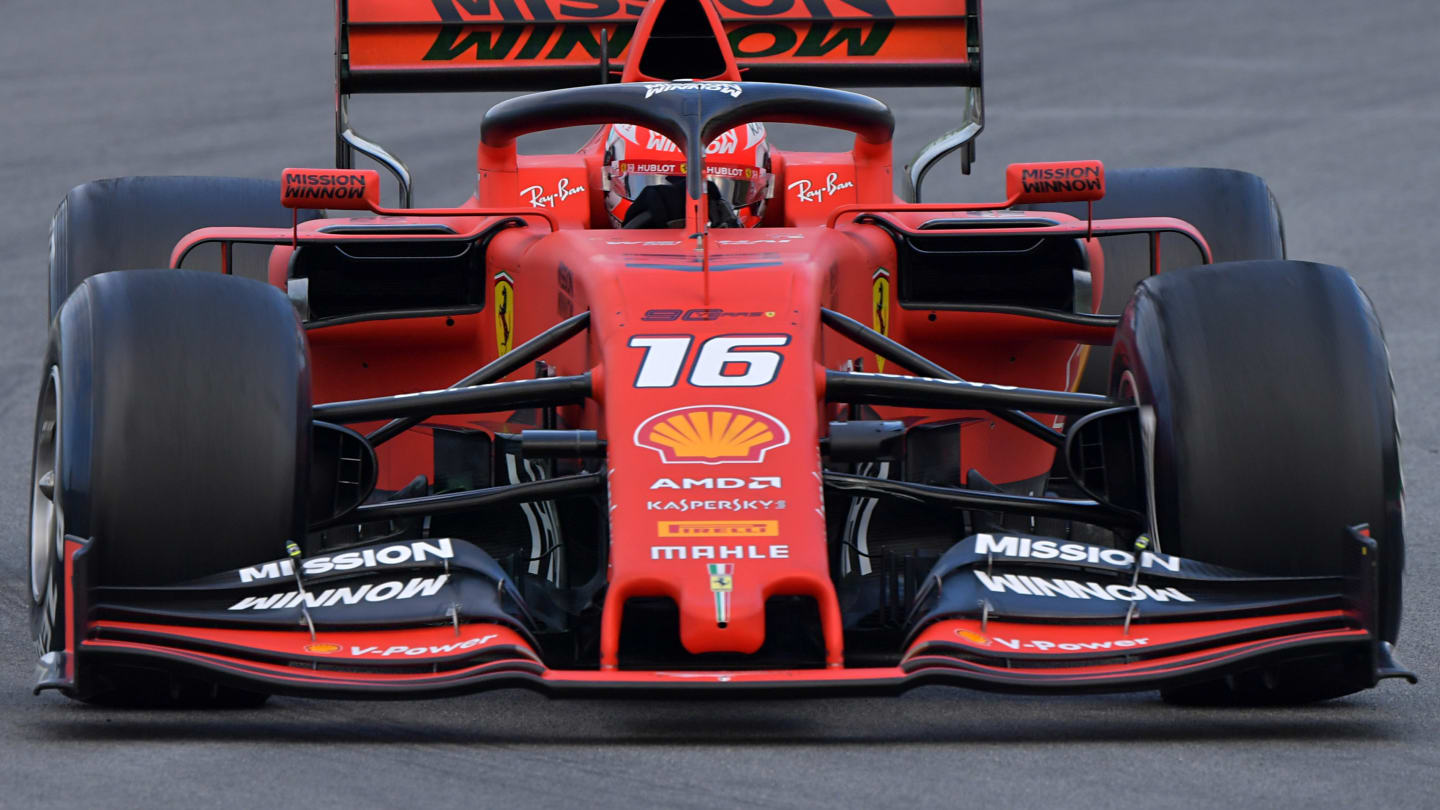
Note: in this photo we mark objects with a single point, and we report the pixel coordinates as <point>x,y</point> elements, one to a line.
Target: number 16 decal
<point>723,361</point>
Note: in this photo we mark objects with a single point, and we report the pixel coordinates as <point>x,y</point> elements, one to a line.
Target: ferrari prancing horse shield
<point>504,313</point>
<point>880,308</point>
<point>722,582</point>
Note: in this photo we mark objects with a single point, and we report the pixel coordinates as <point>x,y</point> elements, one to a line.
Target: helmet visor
<point>739,193</point>
<point>739,186</point>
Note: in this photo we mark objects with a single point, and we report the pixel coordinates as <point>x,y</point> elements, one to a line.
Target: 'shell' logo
<point>711,434</point>
<point>973,637</point>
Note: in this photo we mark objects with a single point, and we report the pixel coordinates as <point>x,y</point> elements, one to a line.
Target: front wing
<point>442,619</point>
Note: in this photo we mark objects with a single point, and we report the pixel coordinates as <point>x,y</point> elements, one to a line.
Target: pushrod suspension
<point>528,491</point>
<point>502,396</point>
<point>908,359</point>
<point>1084,511</point>
<point>925,392</point>
<point>513,360</point>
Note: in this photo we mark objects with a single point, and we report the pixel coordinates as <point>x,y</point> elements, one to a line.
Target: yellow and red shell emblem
<point>712,434</point>
<point>974,637</point>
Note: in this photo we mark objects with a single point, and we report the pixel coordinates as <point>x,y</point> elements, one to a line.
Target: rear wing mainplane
<point>413,46</point>
<point>403,46</point>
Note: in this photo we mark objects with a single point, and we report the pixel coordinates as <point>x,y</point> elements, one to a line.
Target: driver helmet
<point>645,177</point>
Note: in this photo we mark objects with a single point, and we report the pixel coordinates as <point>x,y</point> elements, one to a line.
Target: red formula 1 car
<point>589,432</point>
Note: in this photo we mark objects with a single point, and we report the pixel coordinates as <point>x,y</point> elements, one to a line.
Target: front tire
<point>1273,430</point>
<point>181,429</point>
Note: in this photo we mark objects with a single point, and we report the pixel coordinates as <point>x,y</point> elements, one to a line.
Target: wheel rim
<point>46,523</point>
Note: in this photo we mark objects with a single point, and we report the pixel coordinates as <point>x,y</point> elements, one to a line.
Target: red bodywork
<point>763,290</point>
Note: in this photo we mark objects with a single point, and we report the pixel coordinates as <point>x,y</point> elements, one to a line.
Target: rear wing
<point>406,46</point>
<point>412,46</point>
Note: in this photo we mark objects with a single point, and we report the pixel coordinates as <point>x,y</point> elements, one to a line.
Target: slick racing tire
<point>133,222</point>
<point>1235,212</point>
<point>1268,387</point>
<point>173,433</point>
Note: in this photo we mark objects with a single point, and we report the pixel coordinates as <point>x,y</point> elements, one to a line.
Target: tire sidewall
<point>68,353</point>
<point>47,608</point>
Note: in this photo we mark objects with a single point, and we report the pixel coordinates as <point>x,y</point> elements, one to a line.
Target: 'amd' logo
<point>719,482</point>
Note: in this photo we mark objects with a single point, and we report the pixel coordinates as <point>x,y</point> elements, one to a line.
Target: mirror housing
<point>1061,181</point>
<point>339,189</point>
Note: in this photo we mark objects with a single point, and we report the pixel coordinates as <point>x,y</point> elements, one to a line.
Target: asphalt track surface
<point>1335,102</point>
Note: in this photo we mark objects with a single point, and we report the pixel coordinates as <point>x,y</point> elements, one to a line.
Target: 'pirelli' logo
<point>718,528</point>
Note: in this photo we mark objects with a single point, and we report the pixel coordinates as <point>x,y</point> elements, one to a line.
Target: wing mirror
<point>336,189</point>
<point>1063,181</point>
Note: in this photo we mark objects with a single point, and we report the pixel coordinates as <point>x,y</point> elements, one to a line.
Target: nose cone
<point>715,498</point>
